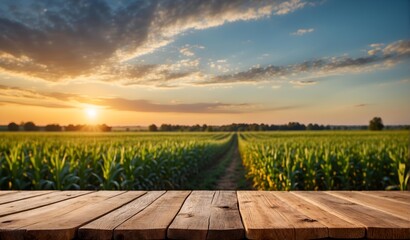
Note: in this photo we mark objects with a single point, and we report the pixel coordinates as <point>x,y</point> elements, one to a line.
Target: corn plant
<point>326,160</point>
<point>106,161</point>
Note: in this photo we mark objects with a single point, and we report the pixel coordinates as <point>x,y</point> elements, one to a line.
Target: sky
<point>204,62</point>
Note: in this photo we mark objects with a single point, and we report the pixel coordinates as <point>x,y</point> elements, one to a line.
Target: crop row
<point>327,161</point>
<point>105,161</point>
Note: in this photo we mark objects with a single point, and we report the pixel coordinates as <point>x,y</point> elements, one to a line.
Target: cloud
<point>186,52</point>
<point>375,48</point>
<point>159,75</point>
<point>289,6</point>
<point>399,48</point>
<point>35,104</point>
<point>61,40</point>
<point>303,83</point>
<point>28,97</point>
<point>25,97</point>
<point>221,65</point>
<point>302,31</point>
<point>376,45</point>
<point>362,105</point>
<point>147,106</point>
<point>317,68</point>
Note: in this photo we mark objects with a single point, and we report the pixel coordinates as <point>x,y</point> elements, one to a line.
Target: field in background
<point>333,160</point>
<point>345,160</point>
<point>105,160</point>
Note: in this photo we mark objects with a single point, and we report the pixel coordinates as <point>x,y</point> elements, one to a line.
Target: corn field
<point>273,161</point>
<point>105,161</point>
<point>327,161</point>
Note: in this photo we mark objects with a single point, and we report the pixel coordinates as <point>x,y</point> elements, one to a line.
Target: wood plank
<point>259,217</point>
<point>38,201</point>
<point>153,221</point>
<point>397,209</point>
<point>267,217</point>
<point>379,225</point>
<point>4,192</point>
<point>65,226</point>
<point>337,227</point>
<point>192,221</point>
<point>225,220</point>
<point>103,227</point>
<point>14,226</point>
<point>403,197</point>
<point>6,198</point>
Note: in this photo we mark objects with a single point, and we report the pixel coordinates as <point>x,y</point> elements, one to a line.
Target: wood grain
<point>397,209</point>
<point>225,220</point>
<point>337,227</point>
<point>14,226</point>
<point>38,201</point>
<point>102,228</point>
<point>267,217</point>
<point>209,215</point>
<point>153,221</point>
<point>192,221</point>
<point>379,225</point>
<point>66,225</point>
<point>4,192</point>
<point>403,197</point>
<point>17,196</point>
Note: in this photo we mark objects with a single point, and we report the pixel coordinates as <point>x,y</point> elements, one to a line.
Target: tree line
<point>234,127</point>
<point>375,124</point>
<point>31,127</point>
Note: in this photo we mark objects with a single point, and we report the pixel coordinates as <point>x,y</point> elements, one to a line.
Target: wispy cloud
<point>362,105</point>
<point>188,50</point>
<point>147,106</point>
<point>319,68</point>
<point>302,31</point>
<point>303,83</point>
<point>20,96</point>
<point>60,40</point>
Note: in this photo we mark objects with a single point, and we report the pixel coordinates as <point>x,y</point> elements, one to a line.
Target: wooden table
<point>203,215</point>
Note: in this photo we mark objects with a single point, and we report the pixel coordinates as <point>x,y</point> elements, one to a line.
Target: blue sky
<point>188,62</point>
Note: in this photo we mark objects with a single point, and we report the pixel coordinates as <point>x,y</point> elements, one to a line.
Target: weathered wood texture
<point>153,221</point>
<point>204,215</point>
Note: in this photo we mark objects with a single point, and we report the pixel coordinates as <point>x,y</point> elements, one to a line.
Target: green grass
<point>207,179</point>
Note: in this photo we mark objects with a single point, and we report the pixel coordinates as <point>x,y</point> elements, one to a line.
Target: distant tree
<point>295,126</point>
<point>104,128</point>
<point>376,124</point>
<point>165,127</point>
<point>13,127</point>
<point>30,126</point>
<point>152,128</point>
<point>70,128</point>
<point>53,128</point>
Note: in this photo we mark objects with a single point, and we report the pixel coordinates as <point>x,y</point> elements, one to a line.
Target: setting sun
<point>91,113</point>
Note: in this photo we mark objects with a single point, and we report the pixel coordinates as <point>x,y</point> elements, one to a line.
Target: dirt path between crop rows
<point>229,180</point>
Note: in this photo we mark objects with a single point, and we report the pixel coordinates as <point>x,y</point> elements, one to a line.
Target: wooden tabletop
<point>203,215</point>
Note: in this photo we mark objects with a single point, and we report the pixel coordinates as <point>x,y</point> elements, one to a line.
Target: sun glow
<point>91,113</point>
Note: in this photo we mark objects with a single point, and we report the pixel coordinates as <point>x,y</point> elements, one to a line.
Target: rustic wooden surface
<point>204,215</point>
